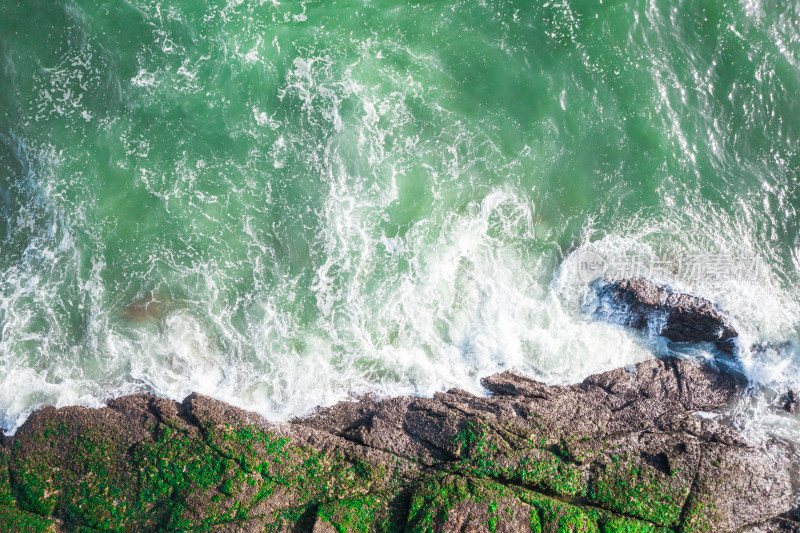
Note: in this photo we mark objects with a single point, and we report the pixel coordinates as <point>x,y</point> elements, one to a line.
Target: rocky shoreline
<point>623,451</point>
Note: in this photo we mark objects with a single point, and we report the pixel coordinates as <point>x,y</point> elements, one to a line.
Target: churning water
<point>281,204</point>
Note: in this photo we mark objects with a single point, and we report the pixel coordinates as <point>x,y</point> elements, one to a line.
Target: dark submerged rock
<point>151,306</point>
<point>621,451</point>
<point>791,401</point>
<point>642,304</point>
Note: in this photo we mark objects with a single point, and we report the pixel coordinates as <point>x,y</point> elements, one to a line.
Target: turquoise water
<point>328,198</point>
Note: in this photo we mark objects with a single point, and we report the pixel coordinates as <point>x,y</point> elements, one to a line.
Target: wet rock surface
<point>641,304</point>
<point>621,451</point>
<point>791,401</point>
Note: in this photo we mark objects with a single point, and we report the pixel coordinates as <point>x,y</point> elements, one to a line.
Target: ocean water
<point>285,204</point>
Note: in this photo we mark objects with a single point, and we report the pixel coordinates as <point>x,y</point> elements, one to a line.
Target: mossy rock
<point>627,486</point>
<point>627,525</point>
<point>18,521</point>
<point>529,464</point>
<point>555,516</point>
<point>449,463</point>
<point>454,503</point>
<point>378,513</point>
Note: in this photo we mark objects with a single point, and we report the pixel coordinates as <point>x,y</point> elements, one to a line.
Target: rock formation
<point>620,452</point>
<point>642,304</point>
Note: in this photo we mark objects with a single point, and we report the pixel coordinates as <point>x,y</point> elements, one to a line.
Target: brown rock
<point>642,304</point>
<point>623,447</point>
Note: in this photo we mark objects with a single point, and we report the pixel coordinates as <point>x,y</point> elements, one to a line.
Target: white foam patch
<point>464,308</point>
<point>25,390</point>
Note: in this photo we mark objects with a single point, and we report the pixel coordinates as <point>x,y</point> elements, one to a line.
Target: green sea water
<point>282,204</point>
